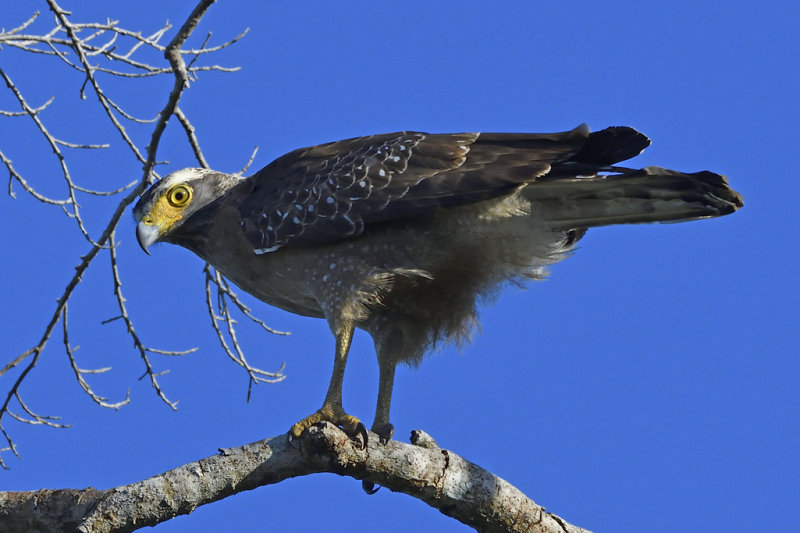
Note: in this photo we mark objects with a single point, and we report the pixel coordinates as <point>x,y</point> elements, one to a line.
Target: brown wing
<point>333,191</point>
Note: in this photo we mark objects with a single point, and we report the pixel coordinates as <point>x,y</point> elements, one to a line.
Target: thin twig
<point>249,162</point>
<point>79,372</point>
<point>192,136</point>
<point>28,359</point>
<point>137,343</point>
<point>35,419</point>
<point>234,350</point>
<point>61,16</point>
<point>52,141</point>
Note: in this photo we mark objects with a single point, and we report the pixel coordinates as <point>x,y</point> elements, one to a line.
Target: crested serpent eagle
<point>401,234</point>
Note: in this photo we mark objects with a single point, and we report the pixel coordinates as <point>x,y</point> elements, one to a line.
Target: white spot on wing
<point>260,251</point>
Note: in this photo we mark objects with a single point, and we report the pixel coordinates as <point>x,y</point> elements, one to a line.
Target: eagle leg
<point>381,425</point>
<point>332,410</point>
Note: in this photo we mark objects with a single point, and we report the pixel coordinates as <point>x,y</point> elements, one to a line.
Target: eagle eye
<point>179,195</point>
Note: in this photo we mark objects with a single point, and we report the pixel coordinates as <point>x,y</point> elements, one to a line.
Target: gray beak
<point>146,235</point>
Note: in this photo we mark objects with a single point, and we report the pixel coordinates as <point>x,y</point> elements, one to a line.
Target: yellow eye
<point>179,195</point>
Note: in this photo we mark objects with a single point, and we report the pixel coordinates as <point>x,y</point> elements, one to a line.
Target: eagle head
<point>177,208</point>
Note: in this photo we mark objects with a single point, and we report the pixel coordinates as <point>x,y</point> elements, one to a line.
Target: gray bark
<point>436,476</point>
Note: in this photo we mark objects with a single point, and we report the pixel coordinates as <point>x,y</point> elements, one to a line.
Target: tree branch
<point>436,476</point>
<point>80,45</point>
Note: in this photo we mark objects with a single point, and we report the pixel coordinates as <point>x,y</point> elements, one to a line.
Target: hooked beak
<point>146,235</point>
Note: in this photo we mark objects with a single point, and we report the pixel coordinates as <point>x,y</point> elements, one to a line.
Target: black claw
<point>369,487</point>
<point>361,429</point>
<point>384,431</point>
<point>387,436</point>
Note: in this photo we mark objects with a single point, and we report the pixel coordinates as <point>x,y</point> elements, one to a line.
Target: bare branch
<point>171,352</point>
<point>105,193</point>
<point>154,38</point>
<point>35,110</point>
<point>439,477</point>
<point>61,16</point>
<point>14,393</point>
<point>14,175</point>
<point>34,418</point>
<point>249,162</point>
<point>79,372</point>
<point>29,42</point>
<point>130,117</point>
<point>53,142</point>
<point>49,44</point>
<point>83,47</point>
<point>225,288</point>
<point>205,50</point>
<point>191,134</point>
<point>137,343</point>
<point>236,354</point>
<point>18,29</point>
<point>76,145</point>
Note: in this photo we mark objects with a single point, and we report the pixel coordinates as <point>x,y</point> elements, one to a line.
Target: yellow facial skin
<point>169,207</point>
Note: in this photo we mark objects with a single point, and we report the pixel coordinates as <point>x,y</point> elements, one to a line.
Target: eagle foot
<point>349,424</point>
<point>385,431</point>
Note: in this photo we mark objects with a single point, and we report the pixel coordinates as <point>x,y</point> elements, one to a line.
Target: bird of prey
<point>402,234</point>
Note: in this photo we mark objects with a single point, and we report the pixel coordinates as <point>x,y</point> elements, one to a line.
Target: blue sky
<point>652,379</point>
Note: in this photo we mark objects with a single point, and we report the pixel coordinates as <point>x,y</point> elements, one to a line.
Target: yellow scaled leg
<point>331,410</point>
<point>381,424</point>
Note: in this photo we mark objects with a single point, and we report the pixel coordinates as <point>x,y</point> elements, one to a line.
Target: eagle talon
<point>385,432</point>
<point>369,487</point>
<point>349,424</point>
<point>361,429</point>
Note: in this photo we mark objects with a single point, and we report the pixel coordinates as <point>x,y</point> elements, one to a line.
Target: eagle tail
<point>614,195</point>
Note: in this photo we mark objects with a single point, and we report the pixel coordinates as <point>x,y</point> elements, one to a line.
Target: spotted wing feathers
<point>329,192</point>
